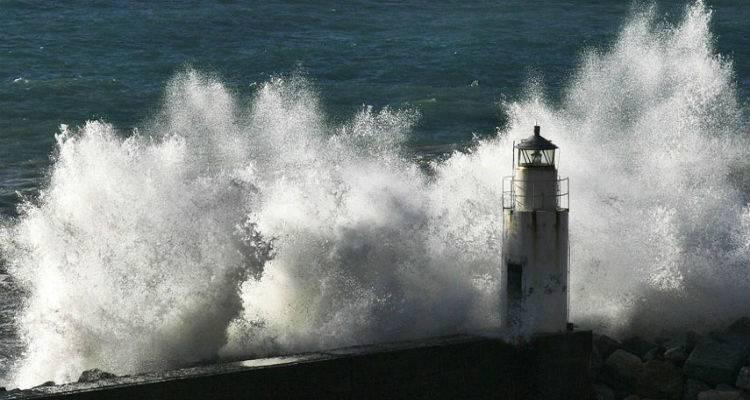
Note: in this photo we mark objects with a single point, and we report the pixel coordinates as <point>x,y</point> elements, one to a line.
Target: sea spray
<point>141,250</point>
<point>230,230</point>
<point>652,134</point>
<point>365,248</point>
<point>133,254</point>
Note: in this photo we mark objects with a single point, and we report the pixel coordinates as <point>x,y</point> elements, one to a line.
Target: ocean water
<point>183,182</point>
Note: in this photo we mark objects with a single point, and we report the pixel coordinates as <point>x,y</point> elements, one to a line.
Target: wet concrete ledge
<point>454,367</point>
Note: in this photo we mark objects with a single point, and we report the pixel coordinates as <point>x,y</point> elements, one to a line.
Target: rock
<point>676,355</point>
<point>48,383</point>
<point>688,340</point>
<point>2,389</point>
<point>692,388</point>
<point>606,345</point>
<point>743,378</point>
<point>720,395</point>
<point>93,375</point>
<point>637,345</point>
<point>733,339</point>
<point>657,353</point>
<point>740,327</point>
<point>692,339</point>
<point>604,392</point>
<point>596,363</point>
<point>621,370</point>
<point>715,362</point>
<point>659,379</point>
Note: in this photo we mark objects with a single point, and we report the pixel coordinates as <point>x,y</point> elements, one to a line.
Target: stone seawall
<point>456,367</point>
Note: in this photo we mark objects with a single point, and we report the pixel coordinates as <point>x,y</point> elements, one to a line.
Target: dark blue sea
<point>452,65</point>
<point>78,61</point>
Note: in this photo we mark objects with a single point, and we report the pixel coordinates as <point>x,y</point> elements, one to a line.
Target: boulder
<point>743,378</point>
<point>677,355</point>
<point>604,392</point>
<point>715,362</point>
<point>621,370</point>
<point>688,340</point>
<point>48,383</point>
<point>692,388</point>
<point>657,353</point>
<point>637,345</point>
<point>606,345</point>
<point>692,339</point>
<point>2,389</point>
<point>93,375</point>
<point>733,339</point>
<point>740,327</point>
<point>659,379</point>
<point>597,362</point>
<point>720,395</point>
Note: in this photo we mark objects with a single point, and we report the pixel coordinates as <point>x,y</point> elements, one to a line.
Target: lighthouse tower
<point>535,240</point>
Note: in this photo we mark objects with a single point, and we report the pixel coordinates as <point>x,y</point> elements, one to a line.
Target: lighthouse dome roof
<point>536,142</point>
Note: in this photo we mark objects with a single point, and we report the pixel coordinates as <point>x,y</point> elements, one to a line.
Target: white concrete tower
<point>535,240</point>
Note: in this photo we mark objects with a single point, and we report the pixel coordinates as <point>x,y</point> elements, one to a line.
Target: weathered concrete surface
<point>465,367</point>
<point>537,241</point>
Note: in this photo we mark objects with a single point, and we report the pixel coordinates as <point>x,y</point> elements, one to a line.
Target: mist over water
<point>233,227</point>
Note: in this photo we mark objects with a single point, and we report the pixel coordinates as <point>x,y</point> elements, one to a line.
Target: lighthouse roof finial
<point>536,142</point>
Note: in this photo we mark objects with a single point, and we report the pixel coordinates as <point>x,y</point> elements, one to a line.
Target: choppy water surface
<point>252,214</point>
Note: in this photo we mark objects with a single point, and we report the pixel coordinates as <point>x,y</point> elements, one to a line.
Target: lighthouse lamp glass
<point>536,157</point>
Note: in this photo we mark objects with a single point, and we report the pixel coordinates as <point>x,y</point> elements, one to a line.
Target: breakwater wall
<point>467,367</point>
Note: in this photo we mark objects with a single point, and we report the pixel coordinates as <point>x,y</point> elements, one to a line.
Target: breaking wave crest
<point>225,230</point>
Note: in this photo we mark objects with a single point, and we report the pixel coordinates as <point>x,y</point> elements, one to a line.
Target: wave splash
<point>657,146</point>
<point>223,230</point>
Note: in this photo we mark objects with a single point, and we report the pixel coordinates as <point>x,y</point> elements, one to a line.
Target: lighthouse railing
<point>563,194</point>
<point>536,196</point>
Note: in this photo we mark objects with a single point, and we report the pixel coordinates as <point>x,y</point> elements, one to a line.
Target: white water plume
<point>221,230</point>
<point>656,146</point>
<point>141,251</point>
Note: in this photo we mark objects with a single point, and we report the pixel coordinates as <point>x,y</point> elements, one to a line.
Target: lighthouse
<point>535,240</point>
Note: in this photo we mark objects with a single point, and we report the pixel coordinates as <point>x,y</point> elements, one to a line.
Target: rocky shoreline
<point>690,366</point>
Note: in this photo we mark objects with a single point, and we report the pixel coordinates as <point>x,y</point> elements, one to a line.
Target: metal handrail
<point>510,198</point>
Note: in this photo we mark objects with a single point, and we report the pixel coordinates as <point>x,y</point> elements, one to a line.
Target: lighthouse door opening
<point>514,292</point>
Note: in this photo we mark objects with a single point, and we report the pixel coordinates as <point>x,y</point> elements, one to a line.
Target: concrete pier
<point>554,366</point>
